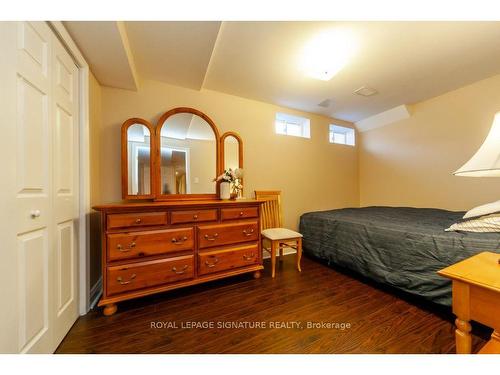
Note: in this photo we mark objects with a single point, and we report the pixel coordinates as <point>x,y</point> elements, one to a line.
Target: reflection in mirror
<point>231,153</point>
<point>188,155</point>
<point>139,156</point>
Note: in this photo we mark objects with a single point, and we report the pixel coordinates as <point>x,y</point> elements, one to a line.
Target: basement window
<point>292,125</point>
<point>342,135</point>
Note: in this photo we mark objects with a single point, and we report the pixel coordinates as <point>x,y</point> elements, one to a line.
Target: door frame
<point>84,170</point>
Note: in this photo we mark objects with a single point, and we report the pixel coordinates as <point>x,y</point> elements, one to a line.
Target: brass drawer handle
<point>241,213</point>
<point>208,238</point>
<point>248,257</point>
<point>138,221</point>
<point>179,241</point>
<point>248,233</point>
<point>183,270</point>
<point>195,217</point>
<point>210,265</point>
<point>120,280</point>
<point>121,249</point>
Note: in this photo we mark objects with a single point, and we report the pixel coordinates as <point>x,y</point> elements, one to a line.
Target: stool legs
<point>299,253</point>
<point>277,248</point>
<point>274,248</point>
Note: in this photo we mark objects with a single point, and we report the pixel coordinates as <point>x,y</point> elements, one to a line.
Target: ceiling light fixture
<point>366,91</point>
<point>327,53</point>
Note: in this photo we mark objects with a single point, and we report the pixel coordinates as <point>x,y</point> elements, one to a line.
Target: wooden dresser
<point>158,246</point>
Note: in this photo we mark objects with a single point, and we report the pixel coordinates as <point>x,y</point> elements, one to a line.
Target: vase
<point>225,190</point>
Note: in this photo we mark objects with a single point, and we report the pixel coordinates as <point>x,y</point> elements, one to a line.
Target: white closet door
<point>65,188</point>
<point>40,144</point>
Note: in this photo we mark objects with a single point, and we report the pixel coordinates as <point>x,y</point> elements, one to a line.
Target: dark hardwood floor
<point>381,320</point>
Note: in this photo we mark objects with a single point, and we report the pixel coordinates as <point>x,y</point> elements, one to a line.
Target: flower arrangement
<point>233,177</point>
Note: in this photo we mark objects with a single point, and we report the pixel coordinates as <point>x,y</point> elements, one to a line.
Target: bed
<point>399,246</point>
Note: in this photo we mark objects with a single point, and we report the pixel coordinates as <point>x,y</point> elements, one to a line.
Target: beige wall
<point>312,173</point>
<point>95,141</point>
<point>410,163</point>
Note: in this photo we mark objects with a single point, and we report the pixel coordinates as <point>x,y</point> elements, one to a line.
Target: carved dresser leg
<point>462,336</point>
<point>110,309</point>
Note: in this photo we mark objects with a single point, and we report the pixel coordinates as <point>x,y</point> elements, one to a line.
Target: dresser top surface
<point>214,203</point>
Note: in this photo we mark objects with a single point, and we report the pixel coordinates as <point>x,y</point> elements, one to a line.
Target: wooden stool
<point>272,231</point>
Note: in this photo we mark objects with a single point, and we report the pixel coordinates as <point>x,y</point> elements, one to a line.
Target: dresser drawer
<point>147,274</point>
<point>226,234</point>
<point>139,219</point>
<point>194,216</point>
<point>141,244</point>
<point>239,213</point>
<point>223,260</point>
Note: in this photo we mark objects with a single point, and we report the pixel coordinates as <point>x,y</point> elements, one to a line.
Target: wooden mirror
<point>187,155</point>
<point>231,150</point>
<point>137,159</point>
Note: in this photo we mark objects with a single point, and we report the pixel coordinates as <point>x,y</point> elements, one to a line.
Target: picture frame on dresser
<point>187,237</point>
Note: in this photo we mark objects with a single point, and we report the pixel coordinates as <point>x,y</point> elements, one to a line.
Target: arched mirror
<point>232,154</point>
<point>187,154</point>
<point>137,159</point>
<point>231,151</point>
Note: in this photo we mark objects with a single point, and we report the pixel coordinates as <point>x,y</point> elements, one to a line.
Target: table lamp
<point>486,160</point>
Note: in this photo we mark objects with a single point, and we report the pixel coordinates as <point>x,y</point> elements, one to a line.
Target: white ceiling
<point>106,48</point>
<point>405,61</point>
<point>174,52</point>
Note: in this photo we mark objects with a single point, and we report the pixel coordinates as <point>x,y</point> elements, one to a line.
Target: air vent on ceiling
<point>325,103</point>
<point>366,91</point>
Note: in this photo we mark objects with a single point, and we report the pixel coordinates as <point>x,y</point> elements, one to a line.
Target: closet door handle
<point>208,238</point>
<point>210,265</point>
<point>248,257</point>
<point>179,241</point>
<point>248,233</point>
<point>35,213</point>
<point>183,270</point>
<point>120,280</point>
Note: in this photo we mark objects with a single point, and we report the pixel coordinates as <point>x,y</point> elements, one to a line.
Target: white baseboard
<point>95,293</point>
<point>286,251</point>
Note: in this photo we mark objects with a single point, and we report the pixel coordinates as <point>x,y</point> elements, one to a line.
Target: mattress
<point>402,247</point>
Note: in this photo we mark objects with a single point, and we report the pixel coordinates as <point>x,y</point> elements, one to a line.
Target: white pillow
<point>485,209</point>
<point>489,223</point>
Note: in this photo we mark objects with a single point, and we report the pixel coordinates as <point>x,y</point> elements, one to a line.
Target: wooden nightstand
<point>476,296</point>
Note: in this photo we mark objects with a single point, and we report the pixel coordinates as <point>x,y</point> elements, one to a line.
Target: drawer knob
<point>120,280</point>
<point>241,213</point>
<point>210,265</point>
<point>208,238</point>
<point>195,217</point>
<point>248,257</point>
<point>179,241</point>
<point>248,232</point>
<point>183,270</point>
<point>138,221</point>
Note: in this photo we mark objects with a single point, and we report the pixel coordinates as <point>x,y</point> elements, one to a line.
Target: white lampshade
<point>486,161</point>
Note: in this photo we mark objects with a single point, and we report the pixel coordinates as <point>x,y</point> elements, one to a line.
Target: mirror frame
<point>157,169</point>
<point>223,150</point>
<point>124,141</point>
<point>240,148</point>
